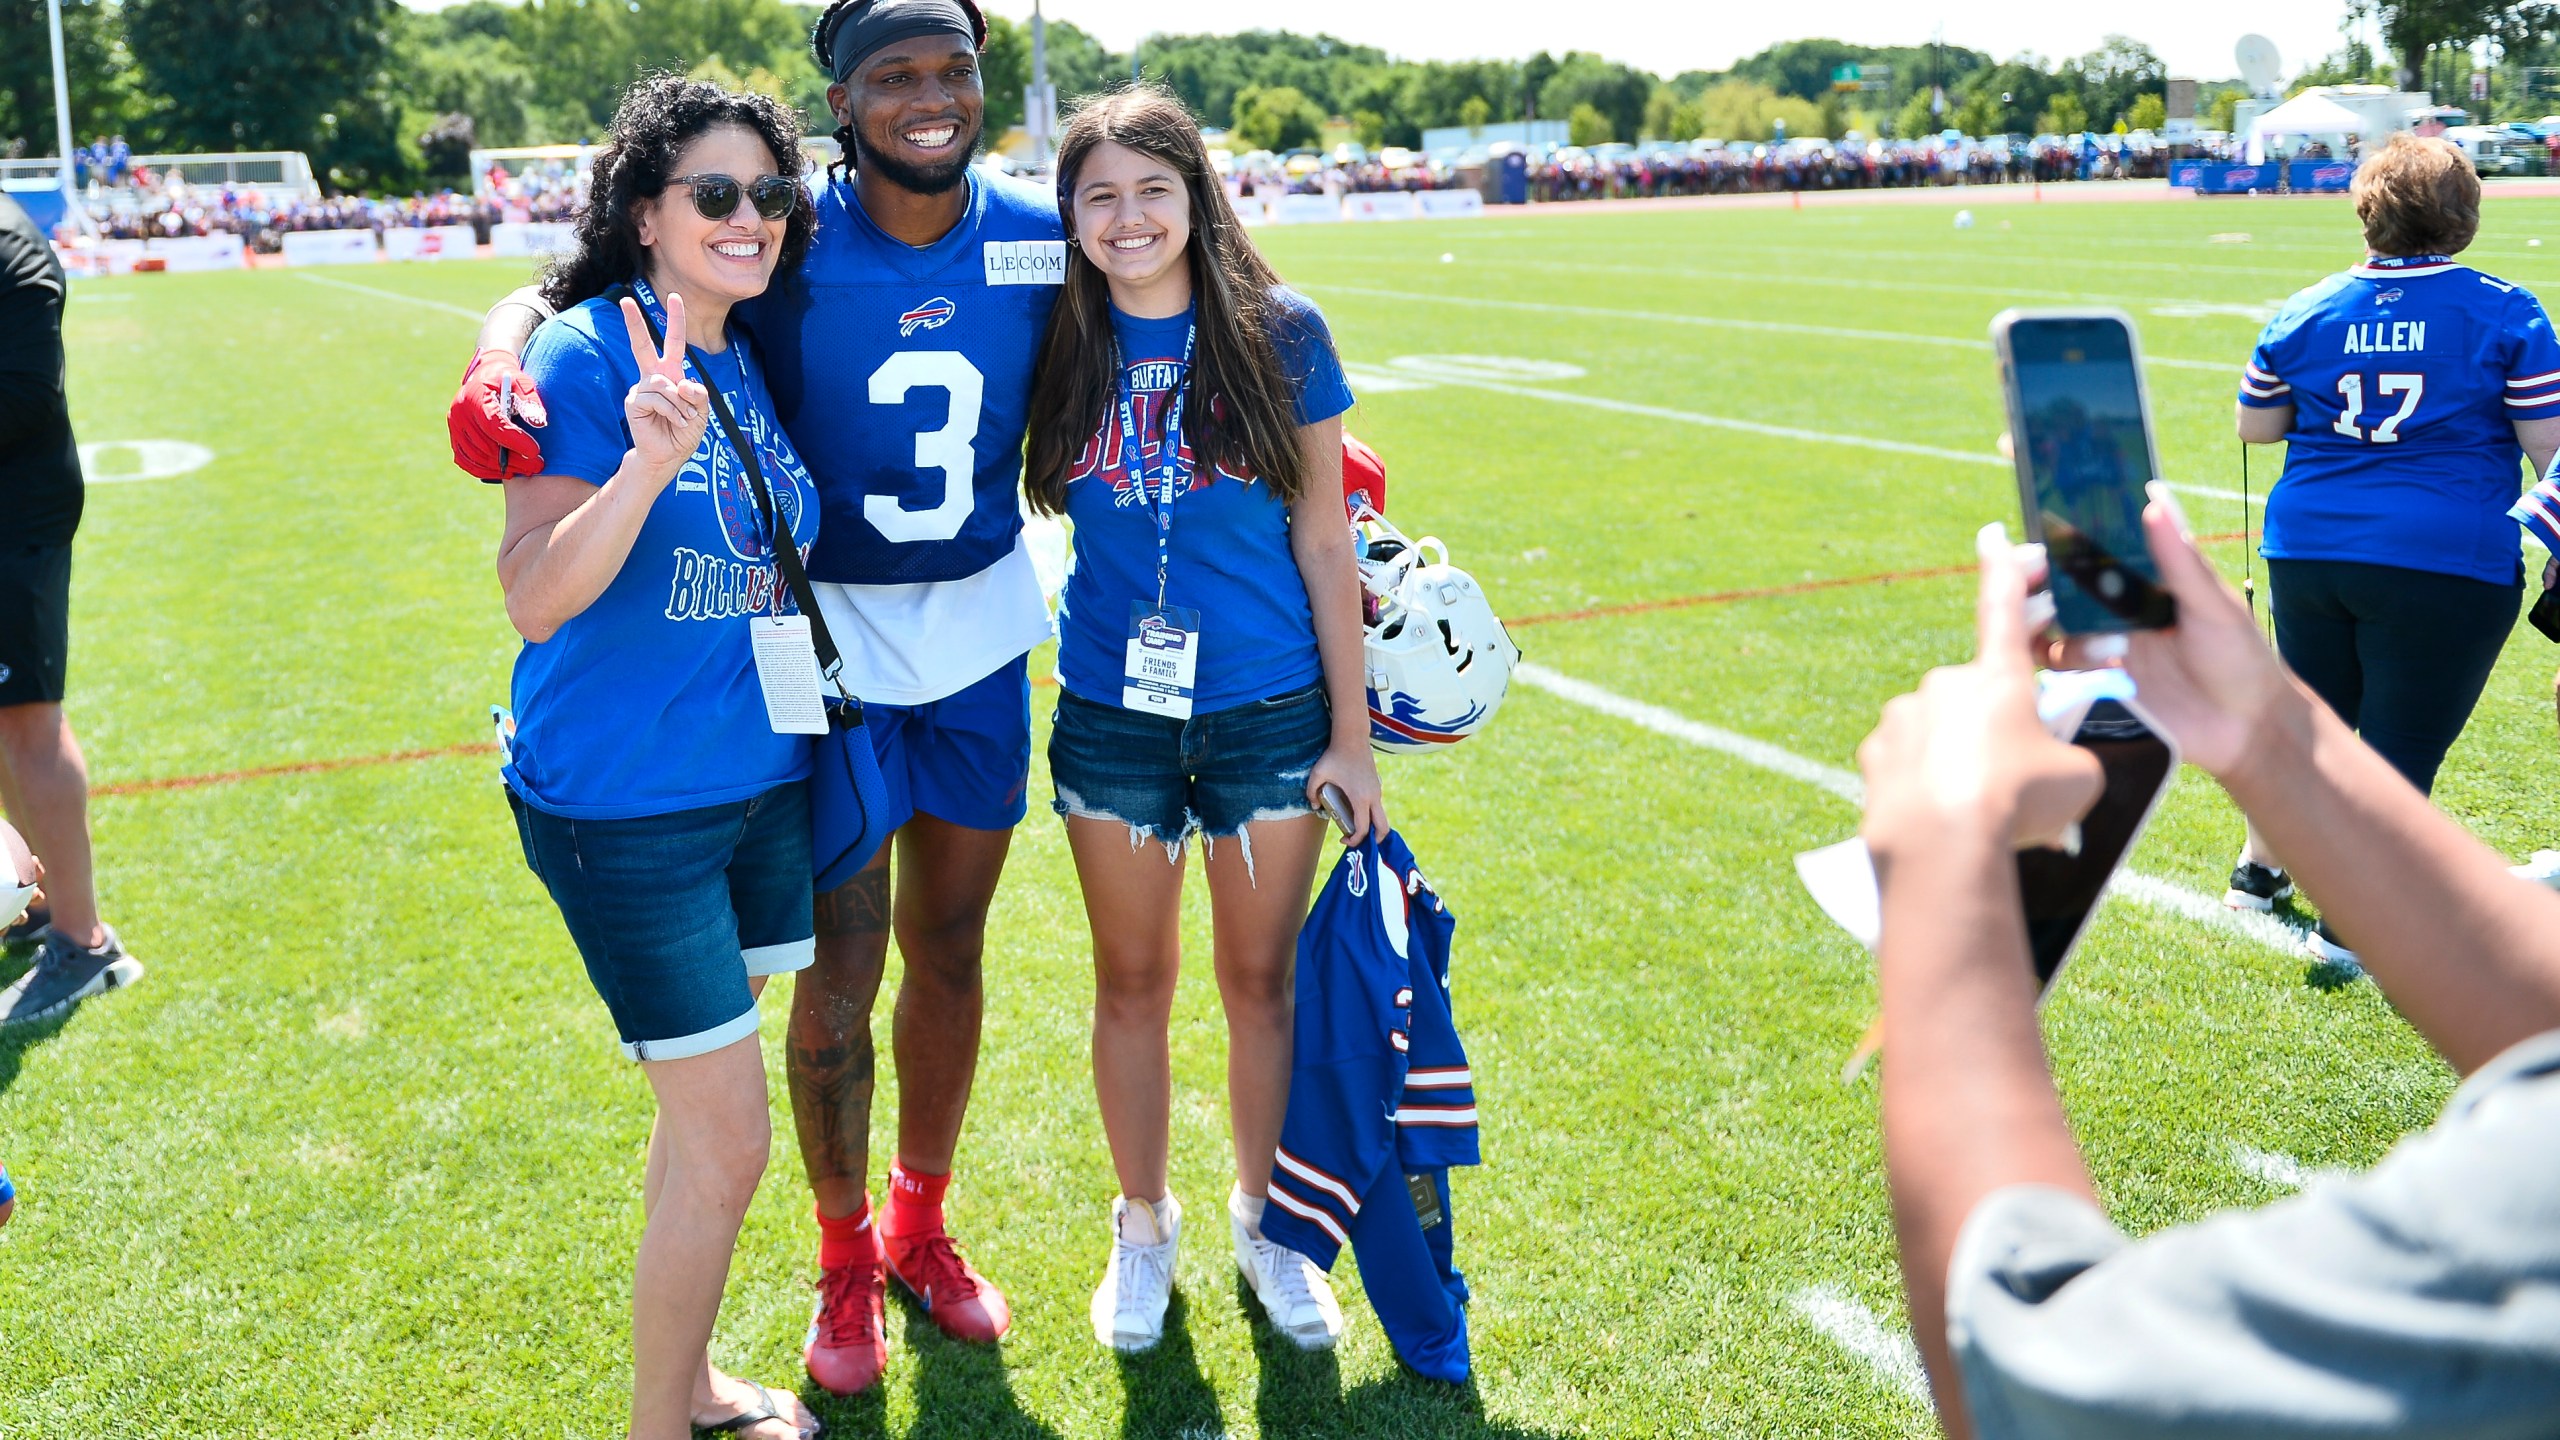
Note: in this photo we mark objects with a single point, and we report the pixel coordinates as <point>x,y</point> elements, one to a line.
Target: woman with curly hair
<point>655,799</point>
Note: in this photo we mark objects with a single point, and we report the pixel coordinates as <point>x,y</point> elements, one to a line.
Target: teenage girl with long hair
<point>1187,418</point>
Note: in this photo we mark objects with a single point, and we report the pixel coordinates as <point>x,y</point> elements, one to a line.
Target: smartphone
<point>2080,429</point>
<point>2060,889</point>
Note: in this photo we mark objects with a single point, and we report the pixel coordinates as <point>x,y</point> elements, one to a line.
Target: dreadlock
<point>822,48</point>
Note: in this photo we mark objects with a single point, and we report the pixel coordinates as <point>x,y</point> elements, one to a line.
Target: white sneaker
<point>1128,1306</point>
<point>2543,869</point>
<point>1293,1292</point>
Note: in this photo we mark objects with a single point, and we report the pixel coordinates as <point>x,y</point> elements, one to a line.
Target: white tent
<point>2302,115</point>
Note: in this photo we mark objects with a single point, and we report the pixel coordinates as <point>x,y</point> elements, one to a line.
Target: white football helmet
<point>1439,662</point>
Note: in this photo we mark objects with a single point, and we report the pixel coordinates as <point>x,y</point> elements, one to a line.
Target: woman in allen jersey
<point>2407,390</point>
<point>1187,416</point>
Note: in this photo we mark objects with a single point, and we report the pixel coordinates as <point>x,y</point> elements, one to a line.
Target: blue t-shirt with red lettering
<point>1230,560</point>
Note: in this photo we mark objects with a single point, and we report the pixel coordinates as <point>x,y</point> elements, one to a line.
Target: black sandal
<point>745,1418</point>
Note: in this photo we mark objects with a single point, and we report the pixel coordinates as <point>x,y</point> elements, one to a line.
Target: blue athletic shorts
<point>673,913</point>
<point>1166,778</point>
<point>965,758</point>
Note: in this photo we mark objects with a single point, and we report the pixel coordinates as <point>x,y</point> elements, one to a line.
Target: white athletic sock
<point>1247,1210</point>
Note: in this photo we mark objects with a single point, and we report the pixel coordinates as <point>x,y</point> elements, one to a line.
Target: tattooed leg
<point>831,1062</point>
<point>946,880</point>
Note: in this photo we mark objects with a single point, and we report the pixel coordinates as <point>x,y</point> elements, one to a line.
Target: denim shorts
<point>673,913</point>
<point>1166,778</point>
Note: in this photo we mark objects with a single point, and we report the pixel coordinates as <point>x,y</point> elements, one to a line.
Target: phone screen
<point>2062,891</point>
<point>2086,449</point>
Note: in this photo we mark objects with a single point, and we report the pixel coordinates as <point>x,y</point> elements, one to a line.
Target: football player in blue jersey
<point>2407,391</point>
<point>900,356</point>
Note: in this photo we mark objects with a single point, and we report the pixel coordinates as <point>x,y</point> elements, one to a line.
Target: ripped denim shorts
<point>1167,778</point>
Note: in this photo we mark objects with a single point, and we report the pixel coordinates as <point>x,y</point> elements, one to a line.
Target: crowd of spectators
<point>1621,173</point>
<point>170,208</point>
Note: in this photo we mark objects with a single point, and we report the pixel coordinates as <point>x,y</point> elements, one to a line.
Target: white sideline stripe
<point>2211,493</point>
<point>1718,422</point>
<point>1772,327</point>
<point>2275,1168</point>
<point>1854,1328</point>
<point>2129,884</point>
<point>420,300</point>
<point>1679,727</point>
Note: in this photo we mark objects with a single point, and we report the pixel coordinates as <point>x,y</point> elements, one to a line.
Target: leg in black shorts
<point>2401,655</point>
<point>35,622</point>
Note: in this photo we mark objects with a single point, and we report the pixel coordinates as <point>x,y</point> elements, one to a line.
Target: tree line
<point>383,97</point>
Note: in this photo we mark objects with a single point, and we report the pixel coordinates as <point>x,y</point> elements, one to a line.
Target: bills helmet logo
<point>931,315</point>
<point>2388,297</point>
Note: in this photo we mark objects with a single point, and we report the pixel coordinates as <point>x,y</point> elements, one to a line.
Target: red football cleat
<point>952,1292</point>
<point>848,1338</point>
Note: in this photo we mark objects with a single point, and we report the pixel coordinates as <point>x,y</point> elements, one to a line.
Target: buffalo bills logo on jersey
<point>931,315</point>
<point>2388,297</point>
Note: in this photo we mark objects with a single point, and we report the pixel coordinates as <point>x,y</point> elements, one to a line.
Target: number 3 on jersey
<point>2351,396</point>
<point>952,449</point>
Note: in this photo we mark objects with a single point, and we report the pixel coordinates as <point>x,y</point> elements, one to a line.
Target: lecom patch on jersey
<point>1026,262</point>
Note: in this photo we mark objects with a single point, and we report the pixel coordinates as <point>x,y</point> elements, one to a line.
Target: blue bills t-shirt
<point>2406,378</point>
<point>647,702</point>
<point>1231,558</point>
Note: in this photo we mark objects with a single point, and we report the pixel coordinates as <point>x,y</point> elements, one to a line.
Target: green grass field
<point>359,1158</point>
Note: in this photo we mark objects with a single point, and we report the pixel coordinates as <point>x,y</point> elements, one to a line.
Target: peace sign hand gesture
<point>666,410</point>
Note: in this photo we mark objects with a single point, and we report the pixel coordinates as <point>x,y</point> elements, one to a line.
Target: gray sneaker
<point>64,975</point>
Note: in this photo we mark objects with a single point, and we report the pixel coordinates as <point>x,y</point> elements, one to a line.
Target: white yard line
<point>335,283</point>
<point>2276,1168</point>
<point>1853,1327</point>
<point>1717,422</point>
<point>1772,327</point>
<point>2131,885</point>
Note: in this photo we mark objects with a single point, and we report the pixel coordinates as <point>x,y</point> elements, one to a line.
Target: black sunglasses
<point>715,197</point>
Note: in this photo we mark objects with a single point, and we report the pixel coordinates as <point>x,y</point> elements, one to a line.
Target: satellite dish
<point>2260,66</point>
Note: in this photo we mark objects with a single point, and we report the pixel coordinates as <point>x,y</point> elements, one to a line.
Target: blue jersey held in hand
<point>904,375</point>
<point>1381,1103</point>
<point>2406,377</point>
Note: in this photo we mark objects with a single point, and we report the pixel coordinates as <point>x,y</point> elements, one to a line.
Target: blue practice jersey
<point>2406,379</point>
<point>1381,1103</point>
<point>904,377</point>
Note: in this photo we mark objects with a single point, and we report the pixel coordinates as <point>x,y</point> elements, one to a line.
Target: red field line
<point>1766,592</point>
<point>300,767</point>
<point>1596,612</point>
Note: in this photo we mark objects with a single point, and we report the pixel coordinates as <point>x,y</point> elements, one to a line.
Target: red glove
<point>489,416</point>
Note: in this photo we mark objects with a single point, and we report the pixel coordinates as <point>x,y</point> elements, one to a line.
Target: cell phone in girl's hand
<point>2080,433</point>
<point>1337,805</point>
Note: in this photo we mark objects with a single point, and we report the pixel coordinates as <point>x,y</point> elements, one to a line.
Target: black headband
<point>867,30</point>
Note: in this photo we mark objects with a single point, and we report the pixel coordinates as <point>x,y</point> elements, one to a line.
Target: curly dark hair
<point>658,117</point>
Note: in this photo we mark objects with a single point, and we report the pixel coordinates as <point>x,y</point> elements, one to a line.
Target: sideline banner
<point>189,253</point>
<point>2321,175</point>
<point>2211,177</point>
<point>328,247</point>
<point>531,237</point>
<point>439,242</point>
<point>1448,204</point>
<point>1306,210</point>
<point>1381,205</point>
